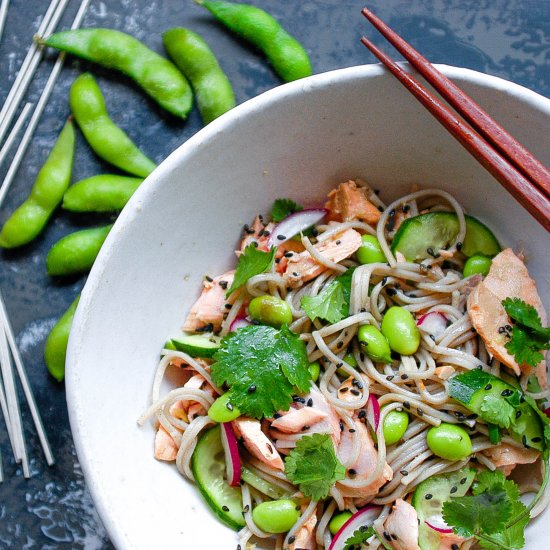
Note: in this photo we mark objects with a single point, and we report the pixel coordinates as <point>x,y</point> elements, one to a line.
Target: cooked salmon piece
<point>165,447</point>
<point>305,536</point>
<point>507,278</point>
<point>402,526</point>
<point>285,251</point>
<point>506,457</point>
<point>330,424</point>
<point>258,233</point>
<point>257,443</point>
<point>364,465</point>
<point>450,541</point>
<point>349,202</point>
<point>302,267</point>
<point>210,306</point>
<point>296,420</point>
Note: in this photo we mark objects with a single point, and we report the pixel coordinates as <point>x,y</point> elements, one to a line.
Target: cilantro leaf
<point>486,512</point>
<point>332,303</point>
<point>327,305</point>
<point>359,537</point>
<point>523,348</point>
<point>526,315</point>
<point>497,411</point>
<point>282,208</point>
<point>251,262</point>
<point>262,365</point>
<point>314,466</point>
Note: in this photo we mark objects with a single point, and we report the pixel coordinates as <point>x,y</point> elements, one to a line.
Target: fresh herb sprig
<point>361,536</point>
<point>528,337</point>
<point>284,207</point>
<point>251,262</point>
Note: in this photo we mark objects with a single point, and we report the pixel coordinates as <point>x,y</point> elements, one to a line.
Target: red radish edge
<point>294,223</point>
<point>240,322</point>
<point>438,529</point>
<point>433,323</point>
<point>364,517</point>
<point>373,412</point>
<point>232,458</point>
<point>547,412</point>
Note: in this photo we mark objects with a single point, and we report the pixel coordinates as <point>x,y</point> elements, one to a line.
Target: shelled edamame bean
<point>275,516</point>
<point>370,251</point>
<point>477,264</point>
<point>399,327</point>
<point>338,521</point>
<point>109,141</point>
<point>76,252</point>
<point>270,310</point>
<point>374,344</point>
<point>449,441</point>
<point>287,56</point>
<point>27,222</point>
<point>222,410</point>
<point>394,426</point>
<point>55,350</point>
<point>103,193</point>
<point>157,76</point>
<point>195,59</point>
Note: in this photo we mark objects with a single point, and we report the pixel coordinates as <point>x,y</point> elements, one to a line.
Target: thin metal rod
<point>29,66</point>
<point>3,13</point>
<point>14,131</point>
<point>13,403</point>
<point>25,383</point>
<point>40,106</point>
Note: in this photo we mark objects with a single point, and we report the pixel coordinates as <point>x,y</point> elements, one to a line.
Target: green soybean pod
<point>108,141</point>
<point>103,193</point>
<point>195,59</point>
<point>26,223</point>
<point>288,57</point>
<point>157,76</point>
<point>55,350</point>
<point>76,252</point>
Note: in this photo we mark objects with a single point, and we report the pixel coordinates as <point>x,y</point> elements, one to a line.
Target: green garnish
<point>314,466</point>
<point>251,262</point>
<point>494,514</point>
<point>282,208</point>
<point>529,338</point>
<point>262,366</point>
<point>497,411</point>
<point>332,304</point>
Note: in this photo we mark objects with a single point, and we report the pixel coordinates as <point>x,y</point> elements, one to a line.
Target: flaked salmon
<point>305,536</point>
<point>210,306</point>
<point>402,526</point>
<point>506,457</point>
<point>349,202</point>
<point>165,447</point>
<point>507,278</point>
<point>257,443</point>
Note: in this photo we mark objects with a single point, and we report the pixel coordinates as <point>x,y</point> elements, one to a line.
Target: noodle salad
<point>368,376</point>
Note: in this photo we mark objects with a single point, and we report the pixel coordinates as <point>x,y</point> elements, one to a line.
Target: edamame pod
<point>55,350</point>
<point>26,223</point>
<point>104,136</point>
<point>289,59</point>
<point>157,76</point>
<point>76,252</point>
<point>103,193</point>
<point>195,59</point>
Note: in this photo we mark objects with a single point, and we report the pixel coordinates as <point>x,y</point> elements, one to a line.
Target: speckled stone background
<point>507,38</point>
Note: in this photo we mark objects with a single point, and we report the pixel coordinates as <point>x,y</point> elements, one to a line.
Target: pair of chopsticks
<point>517,170</point>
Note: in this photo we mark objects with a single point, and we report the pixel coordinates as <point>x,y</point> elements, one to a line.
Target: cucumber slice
<point>197,345</point>
<point>208,466</point>
<point>437,230</point>
<point>262,485</point>
<point>428,500</point>
<point>472,387</point>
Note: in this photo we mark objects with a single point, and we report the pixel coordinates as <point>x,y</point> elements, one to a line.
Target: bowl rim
<point>147,190</point>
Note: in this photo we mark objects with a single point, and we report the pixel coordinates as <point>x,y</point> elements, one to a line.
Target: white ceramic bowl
<point>298,141</point>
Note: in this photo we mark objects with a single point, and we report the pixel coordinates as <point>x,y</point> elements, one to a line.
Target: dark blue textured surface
<point>506,38</point>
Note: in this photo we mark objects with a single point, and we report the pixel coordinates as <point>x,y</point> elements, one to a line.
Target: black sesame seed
<point>266,233</point>
<point>404,472</point>
<point>394,537</point>
<point>228,306</point>
<point>238,547</point>
<point>432,337</point>
<point>225,508</point>
<point>488,387</point>
<point>524,440</point>
<point>384,281</point>
<point>406,208</point>
<point>463,481</point>
<point>536,439</point>
<point>428,496</point>
<point>454,489</point>
<point>362,414</point>
<point>472,416</point>
<point>281,237</point>
<point>206,328</point>
<point>252,389</point>
<point>289,254</point>
<point>298,508</point>
<point>390,377</point>
<point>381,209</point>
<point>454,546</point>
<point>391,291</point>
<point>501,330</point>
<point>362,356</point>
<point>355,392</point>
<point>291,539</point>
<point>298,399</point>
<point>522,399</point>
<point>223,284</point>
<point>309,402</point>
<point>420,412</point>
<point>404,376</point>
<point>407,405</point>
<point>229,406</point>
<point>339,345</point>
<point>341,426</point>
<point>387,536</point>
<point>352,472</point>
<point>357,384</point>
<point>295,274</point>
<point>352,430</point>
<point>208,278</point>
<point>506,393</point>
<point>343,390</point>
<point>459,246</point>
<point>277,415</point>
<point>518,414</point>
<point>305,428</point>
<point>338,242</point>
<point>246,509</point>
<point>269,447</point>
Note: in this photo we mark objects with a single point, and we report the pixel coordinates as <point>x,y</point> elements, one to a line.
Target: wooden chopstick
<point>483,123</point>
<point>526,193</point>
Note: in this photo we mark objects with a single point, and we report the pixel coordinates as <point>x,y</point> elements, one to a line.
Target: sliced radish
<point>373,412</point>
<point>232,459</point>
<point>240,322</point>
<point>363,518</point>
<point>293,224</point>
<point>547,412</point>
<point>433,323</point>
<point>438,524</point>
